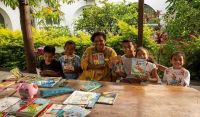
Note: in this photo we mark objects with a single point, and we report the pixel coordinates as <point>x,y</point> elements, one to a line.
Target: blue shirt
<point>74,61</point>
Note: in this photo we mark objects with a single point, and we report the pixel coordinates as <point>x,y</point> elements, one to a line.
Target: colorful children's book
<point>53,110</point>
<point>80,98</point>
<point>7,92</point>
<point>98,58</point>
<point>69,63</point>
<point>16,72</point>
<point>90,86</point>
<point>75,111</point>
<point>7,102</point>
<point>107,98</point>
<point>138,68</point>
<point>33,108</point>
<point>6,84</point>
<point>45,82</point>
<point>56,91</point>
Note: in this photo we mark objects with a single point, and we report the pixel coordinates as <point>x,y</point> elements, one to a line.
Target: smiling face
<point>142,54</point>
<point>99,43</point>
<point>48,57</point>
<point>177,61</point>
<point>69,49</point>
<point>128,48</point>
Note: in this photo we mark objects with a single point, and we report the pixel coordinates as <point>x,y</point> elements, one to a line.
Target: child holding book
<point>151,68</point>
<point>70,62</point>
<point>129,53</point>
<point>49,66</point>
<point>177,74</point>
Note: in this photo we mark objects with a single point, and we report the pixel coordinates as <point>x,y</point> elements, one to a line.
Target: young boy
<point>49,66</point>
<point>70,62</point>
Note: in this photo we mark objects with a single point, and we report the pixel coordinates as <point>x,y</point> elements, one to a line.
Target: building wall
<point>11,17</point>
<point>71,12</point>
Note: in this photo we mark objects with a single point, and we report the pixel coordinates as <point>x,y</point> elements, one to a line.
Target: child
<point>70,62</point>
<point>129,53</point>
<point>49,66</point>
<point>177,74</point>
<point>151,68</point>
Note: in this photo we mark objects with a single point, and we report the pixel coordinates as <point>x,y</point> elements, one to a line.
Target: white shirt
<point>177,76</point>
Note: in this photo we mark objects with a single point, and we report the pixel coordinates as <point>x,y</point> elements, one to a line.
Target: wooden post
<point>140,23</point>
<point>25,21</point>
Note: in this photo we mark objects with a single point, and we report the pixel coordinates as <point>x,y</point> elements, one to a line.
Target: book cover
<point>75,111</point>
<point>7,92</point>
<point>138,68</point>
<point>6,84</point>
<point>107,98</point>
<point>16,72</point>
<point>32,109</point>
<point>69,63</point>
<point>7,102</point>
<point>56,91</point>
<point>91,85</point>
<point>45,82</point>
<point>80,98</point>
<point>53,110</point>
<point>98,59</point>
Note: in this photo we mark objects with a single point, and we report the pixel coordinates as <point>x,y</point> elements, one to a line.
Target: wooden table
<point>143,101</point>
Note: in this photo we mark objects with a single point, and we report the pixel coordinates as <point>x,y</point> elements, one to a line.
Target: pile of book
<point>78,104</point>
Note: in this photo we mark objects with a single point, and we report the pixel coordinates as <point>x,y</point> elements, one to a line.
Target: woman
<point>95,59</point>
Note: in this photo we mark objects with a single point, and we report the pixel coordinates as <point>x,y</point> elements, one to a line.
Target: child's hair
<point>70,42</point>
<point>98,34</point>
<point>178,53</point>
<point>128,41</point>
<point>149,59</point>
<point>49,49</point>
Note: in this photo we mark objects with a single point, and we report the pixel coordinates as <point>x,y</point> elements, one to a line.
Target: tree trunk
<point>27,35</point>
<point>140,23</point>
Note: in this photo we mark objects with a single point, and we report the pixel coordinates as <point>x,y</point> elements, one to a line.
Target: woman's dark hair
<point>98,34</point>
<point>49,49</point>
<point>70,42</point>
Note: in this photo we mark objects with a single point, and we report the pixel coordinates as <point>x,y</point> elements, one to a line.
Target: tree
<point>182,18</point>
<point>25,20</point>
<point>104,18</point>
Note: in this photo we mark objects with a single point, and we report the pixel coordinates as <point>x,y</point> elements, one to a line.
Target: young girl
<point>70,62</point>
<point>177,74</point>
<point>151,68</point>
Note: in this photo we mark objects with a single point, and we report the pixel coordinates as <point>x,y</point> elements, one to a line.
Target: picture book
<point>7,92</point>
<point>16,72</point>
<point>138,67</point>
<point>53,110</point>
<point>91,85</point>
<point>7,102</point>
<point>80,98</point>
<point>6,84</point>
<point>75,111</point>
<point>56,91</point>
<point>98,59</point>
<point>107,98</point>
<point>69,63</point>
<point>93,101</point>
<point>34,108</point>
<point>45,82</point>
